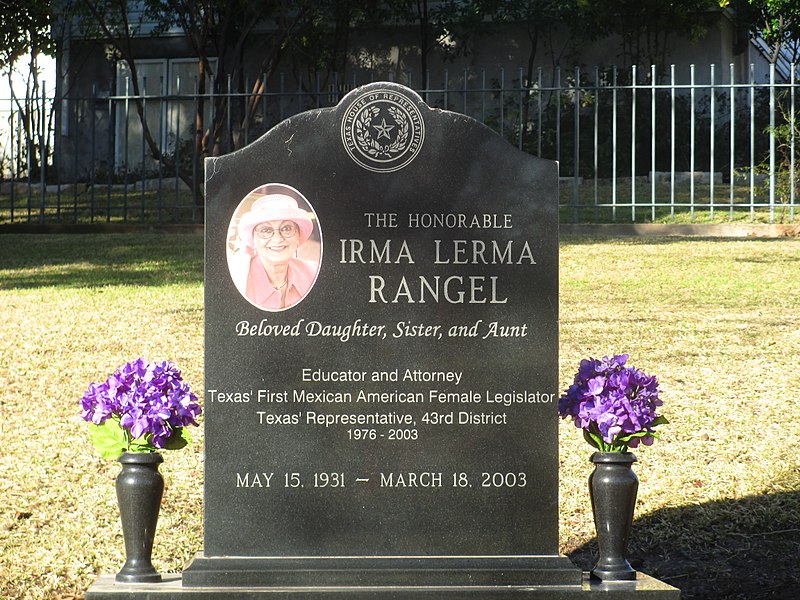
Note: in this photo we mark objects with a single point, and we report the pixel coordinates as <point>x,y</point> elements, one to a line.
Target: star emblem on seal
<point>383,130</point>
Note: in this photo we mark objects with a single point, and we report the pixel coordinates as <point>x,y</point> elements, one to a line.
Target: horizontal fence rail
<point>633,146</point>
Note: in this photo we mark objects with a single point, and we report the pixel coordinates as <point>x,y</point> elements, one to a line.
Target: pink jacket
<point>252,282</point>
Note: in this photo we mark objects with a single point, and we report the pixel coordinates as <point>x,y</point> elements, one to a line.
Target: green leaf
<point>594,439</point>
<point>141,444</point>
<point>108,438</point>
<point>638,434</point>
<point>180,438</point>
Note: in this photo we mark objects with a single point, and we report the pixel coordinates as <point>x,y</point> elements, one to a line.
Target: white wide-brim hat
<point>274,207</point>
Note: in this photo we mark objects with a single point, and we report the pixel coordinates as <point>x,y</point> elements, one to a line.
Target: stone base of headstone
<point>380,571</point>
<point>396,581</point>
<point>643,588</point>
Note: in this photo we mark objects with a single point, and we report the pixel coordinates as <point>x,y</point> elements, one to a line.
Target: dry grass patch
<point>717,321</point>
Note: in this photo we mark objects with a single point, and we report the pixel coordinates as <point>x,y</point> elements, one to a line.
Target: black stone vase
<point>139,490</point>
<point>612,487</point>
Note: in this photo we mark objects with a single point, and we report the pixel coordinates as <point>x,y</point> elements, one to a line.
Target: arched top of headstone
<point>381,128</point>
<point>379,87</point>
<point>383,141</point>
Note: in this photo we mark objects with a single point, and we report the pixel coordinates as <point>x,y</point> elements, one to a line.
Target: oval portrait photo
<point>274,247</point>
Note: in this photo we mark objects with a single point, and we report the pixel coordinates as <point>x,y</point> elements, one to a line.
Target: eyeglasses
<point>287,231</point>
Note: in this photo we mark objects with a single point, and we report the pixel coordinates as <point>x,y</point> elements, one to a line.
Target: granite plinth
<point>380,571</point>
<point>643,588</point>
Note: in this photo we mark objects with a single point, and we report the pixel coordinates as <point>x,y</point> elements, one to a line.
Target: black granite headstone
<point>400,400</point>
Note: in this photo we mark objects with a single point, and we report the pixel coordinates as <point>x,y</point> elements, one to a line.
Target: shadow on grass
<point>747,549</point>
<point>662,240</point>
<point>98,260</point>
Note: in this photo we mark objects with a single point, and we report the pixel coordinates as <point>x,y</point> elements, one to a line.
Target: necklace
<point>281,286</point>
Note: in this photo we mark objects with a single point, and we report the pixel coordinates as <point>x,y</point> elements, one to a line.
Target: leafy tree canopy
<point>776,21</point>
<point>24,30</point>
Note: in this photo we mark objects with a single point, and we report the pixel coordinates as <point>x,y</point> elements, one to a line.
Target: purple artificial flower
<point>613,403</point>
<point>150,400</point>
<point>97,403</point>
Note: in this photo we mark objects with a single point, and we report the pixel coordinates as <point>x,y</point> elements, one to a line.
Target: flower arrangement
<point>614,404</point>
<point>142,407</point>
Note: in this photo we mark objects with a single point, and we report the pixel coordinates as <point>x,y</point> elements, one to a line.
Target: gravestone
<point>380,418</point>
<point>405,407</point>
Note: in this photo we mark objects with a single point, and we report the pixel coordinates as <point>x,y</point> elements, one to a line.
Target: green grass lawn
<point>717,320</point>
<point>603,202</point>
<point>101,204</point>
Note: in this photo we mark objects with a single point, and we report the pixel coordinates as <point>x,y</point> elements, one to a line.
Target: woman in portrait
<point>267,270</point>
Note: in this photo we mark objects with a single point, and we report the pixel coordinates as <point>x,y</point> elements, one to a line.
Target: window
<point>168,92</point>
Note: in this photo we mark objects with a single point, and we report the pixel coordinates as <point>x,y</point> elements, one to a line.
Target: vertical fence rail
<point>576,141</point>
<point>539,113</point>
<point>614,145</point>
<point>792,145</point>
<point>704,128</point>
<point>672,144</point>
<point>772,149</point>
<point>652,142</point>
<point>732,142</point>
<point>711,145</point>
<point>595,144</point>
<point>752,89</point>
<point>634,98</point>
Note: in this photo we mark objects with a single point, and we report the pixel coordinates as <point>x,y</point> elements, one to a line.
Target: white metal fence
<point>633,145</point>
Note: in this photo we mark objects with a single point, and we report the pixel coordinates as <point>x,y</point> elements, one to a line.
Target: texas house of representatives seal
<point>383,130</point>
